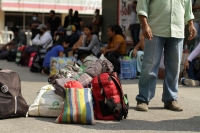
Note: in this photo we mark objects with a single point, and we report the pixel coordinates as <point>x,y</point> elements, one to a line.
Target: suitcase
<point>12,104</point>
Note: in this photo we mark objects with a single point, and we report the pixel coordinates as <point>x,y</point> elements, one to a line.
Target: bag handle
<point>130,54</point>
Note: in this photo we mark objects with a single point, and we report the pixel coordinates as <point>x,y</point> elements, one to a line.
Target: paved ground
<point>154,121</point>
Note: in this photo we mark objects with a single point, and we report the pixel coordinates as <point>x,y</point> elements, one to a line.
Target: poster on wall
<point>124,14</point>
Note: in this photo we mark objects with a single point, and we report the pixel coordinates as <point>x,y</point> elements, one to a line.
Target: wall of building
<point>110,16</point>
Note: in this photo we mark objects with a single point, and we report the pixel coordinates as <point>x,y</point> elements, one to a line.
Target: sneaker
<point>182,81</point>
<point>191,82</point>
<point>173,106</point>
<point>141,106</point>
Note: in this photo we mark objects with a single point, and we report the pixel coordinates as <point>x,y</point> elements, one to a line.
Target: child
<point>55,51</point>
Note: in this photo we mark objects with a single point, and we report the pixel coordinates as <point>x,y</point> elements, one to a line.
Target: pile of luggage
<point>73,95</point>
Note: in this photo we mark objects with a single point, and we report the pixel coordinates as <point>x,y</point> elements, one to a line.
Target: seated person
<point>19,39</point>
<point>116,42</point>
<point>79,43</point>
<point>73,37</point>
<point>138,53</point>
<point>43,40</point>
<point>90,43</point>
<point>55,51</point>
<point>189,66</point>
<point>59,35</point>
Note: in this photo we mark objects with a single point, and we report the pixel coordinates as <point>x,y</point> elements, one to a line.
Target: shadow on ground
<point>129,124</point>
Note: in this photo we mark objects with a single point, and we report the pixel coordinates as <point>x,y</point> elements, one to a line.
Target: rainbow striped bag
<point>78,107</point>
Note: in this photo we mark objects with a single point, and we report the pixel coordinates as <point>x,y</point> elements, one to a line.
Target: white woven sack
<point>47,103</point>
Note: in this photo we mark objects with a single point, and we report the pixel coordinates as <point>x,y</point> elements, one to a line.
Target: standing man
<point>134,25</point>
<point>163,25</point>
<point>68,19</point>
<point>196,12</point>
<point>53,22</point>
<point>96,24</point>
<point>33,24</point>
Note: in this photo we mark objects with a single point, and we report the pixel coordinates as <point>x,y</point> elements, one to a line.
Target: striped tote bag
<point>78,107</point>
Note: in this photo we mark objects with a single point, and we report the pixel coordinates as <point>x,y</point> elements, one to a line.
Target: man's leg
<point>150,66</point>
<point>172,59</point>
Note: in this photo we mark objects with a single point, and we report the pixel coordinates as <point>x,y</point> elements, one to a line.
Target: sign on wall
<point>44,6</point>
<point>124,12</point>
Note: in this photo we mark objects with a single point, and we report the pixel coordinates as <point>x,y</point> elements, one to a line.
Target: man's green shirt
<point>166,18</point>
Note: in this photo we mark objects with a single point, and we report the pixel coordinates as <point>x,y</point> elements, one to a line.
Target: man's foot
<point>141,106</point>
<point>173,106</point>
<point>191,82</point>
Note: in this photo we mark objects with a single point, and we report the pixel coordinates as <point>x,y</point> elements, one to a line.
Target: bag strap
<point>130,54</point>
<point>118,84</point>
<point>101,86</point>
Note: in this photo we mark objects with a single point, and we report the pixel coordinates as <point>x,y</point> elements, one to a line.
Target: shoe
<point>173,106</point>
<point>182,81</point>
<point>191,82</point>
<point>141,106</point>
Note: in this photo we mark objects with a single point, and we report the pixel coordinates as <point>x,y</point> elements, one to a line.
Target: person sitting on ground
<point>189,66</point>
<point>90,43</point>
<point>116,43</point>
<point>73,38</point>
<point>59,35</point>
<point>19,39</point>
<point>116,46</point>
<point>55,51</point>
<point>43,40</point>
<point>78,44</point>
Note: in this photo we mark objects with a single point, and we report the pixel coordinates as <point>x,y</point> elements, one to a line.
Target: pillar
<point>2,18</point>
<point>109,16</point>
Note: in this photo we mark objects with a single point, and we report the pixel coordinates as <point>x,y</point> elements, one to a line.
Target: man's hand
<point>192,32</point>
<point>186,65</point>
<point>147,33</point>
<point>134,52</point>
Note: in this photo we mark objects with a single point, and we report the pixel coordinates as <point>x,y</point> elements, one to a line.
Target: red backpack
<point>109,99</point>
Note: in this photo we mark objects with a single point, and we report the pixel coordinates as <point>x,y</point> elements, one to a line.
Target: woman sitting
<point>55,51</point>
<point>189,66</point>
<point>116,44</point>
<point>90,43</point>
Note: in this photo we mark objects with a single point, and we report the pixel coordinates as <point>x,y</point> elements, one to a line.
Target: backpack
<point>11,55</point>
<point>37,62</point>
<point>12,104</point>
<point>110,103</point>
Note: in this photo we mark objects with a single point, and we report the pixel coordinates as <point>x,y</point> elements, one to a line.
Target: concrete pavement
<point>156,120</point>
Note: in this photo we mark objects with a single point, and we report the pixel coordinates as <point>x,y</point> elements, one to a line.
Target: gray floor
<point>154,121</point>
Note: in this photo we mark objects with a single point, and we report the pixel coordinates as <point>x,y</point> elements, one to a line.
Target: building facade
<point>19,12</point>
